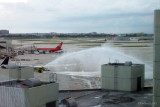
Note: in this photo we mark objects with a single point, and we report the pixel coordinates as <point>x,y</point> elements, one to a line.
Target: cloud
<point>12,1</point>
<point>78,15</point>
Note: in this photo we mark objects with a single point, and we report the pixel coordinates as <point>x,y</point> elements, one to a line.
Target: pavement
<point>108,98</point>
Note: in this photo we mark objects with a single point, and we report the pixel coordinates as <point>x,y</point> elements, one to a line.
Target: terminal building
<point>4,32</point>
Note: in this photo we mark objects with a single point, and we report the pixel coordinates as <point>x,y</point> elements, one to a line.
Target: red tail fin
<point>59,46</point>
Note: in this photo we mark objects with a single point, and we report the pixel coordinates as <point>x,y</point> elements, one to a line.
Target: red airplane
<point>58,48</point>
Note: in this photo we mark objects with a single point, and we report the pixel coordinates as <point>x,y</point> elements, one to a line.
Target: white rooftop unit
<point>15,73</point>
<point>18,88</point>
<point>122,76</point>
<point>18,94</point>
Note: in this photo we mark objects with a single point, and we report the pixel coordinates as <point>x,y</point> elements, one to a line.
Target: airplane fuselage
<point>49,49</point>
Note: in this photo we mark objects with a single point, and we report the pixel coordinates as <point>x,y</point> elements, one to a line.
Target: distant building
<point>122,34</point>
<point>121,38</point>
<point>5,46</point>
<point>53,32</point>
<point>4,31</point>
<point>93,33</point>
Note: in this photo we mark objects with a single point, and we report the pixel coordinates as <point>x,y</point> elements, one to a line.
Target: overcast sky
<point>103,16</point>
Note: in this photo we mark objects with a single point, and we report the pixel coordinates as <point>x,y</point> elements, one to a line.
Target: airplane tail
<point>6,60</point>
<point>59,46</point>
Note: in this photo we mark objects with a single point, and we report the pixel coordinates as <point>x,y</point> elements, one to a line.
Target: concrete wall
<point>123,71</point>
<point>12,74</point>
<point>156,67</point>
<point>39,96</point>
<point>12,97</point>
<point>29,97</point>
<point>123,84</point>
<point>122,77</point>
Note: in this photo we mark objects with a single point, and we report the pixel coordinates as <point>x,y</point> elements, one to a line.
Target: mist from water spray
<point>87,63</point>
<point>89,60</point>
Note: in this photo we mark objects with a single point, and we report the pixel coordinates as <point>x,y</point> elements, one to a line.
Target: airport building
<point>5,46</point>
<point>122,76</point>
<point>121,38</point>
<point>19,88</point>
<point>3,32</point>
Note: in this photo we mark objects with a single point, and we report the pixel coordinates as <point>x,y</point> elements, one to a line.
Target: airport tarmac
<point>81,68</point>
<point>81,77</point>
<point>89,82</point>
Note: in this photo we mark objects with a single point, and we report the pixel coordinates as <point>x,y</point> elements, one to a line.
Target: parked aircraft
<point>58,48</point>
<point>5,64</point>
